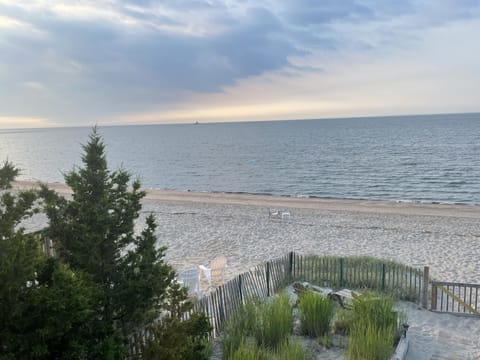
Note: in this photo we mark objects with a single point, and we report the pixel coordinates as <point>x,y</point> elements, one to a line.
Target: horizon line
<point>246,121</point>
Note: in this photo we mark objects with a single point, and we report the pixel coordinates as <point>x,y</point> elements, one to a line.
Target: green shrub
<point>376,308</point>
<point>177,339</point>
<point>316,312</point>
<point>374,328</point>
<point>274,322</point>
<point>238,327</point>
<point>370,341</point>
<point>232,339</point>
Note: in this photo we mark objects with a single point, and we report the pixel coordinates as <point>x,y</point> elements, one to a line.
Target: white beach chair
<point>273,213</point>
<point>215,274</point>
<point>279,214</point>
<point>191,280</point>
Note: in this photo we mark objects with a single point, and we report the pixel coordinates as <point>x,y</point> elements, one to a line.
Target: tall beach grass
<point>274,322</point>
<point>374,327</point>
<point>316,313</point>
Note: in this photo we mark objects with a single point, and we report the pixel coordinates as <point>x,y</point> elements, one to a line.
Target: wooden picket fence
<point>401,281</point>
<point>268,278</point>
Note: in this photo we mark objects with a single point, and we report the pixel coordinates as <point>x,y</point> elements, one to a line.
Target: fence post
<point>268,278</point>
<point>290,266</point>
<point>383,277</point>
<point>426,271</point>
<point>434,298</point>
<point>240,288</point>
<point>341,272</point>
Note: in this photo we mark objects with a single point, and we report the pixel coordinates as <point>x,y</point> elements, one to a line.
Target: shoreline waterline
<point>290,202</point>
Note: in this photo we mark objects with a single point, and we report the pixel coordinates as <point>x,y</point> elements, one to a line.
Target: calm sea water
<point>415,158</point>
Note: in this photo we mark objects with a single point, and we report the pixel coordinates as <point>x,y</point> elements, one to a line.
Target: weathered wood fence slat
<point>268,278</point>
<point>457,298</point>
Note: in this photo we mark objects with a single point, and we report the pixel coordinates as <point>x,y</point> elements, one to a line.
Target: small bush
<point>370,341</point>
<point>374,328</point>
<point>316,314</point>
<point>274,322</point>
<point>376,308</point>
<point>176,339</point>
<point>233,337</point>
<point>238,327</point>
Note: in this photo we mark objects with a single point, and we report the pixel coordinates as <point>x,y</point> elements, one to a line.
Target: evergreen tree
<point>8,173</point>
<point>44,306</point>
<point>19,256</point>
<point>94,232</point>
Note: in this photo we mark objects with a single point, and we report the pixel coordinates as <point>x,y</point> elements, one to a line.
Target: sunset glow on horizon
<point>127,62</point>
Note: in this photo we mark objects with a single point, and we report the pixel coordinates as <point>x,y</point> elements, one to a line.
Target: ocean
<point>432,159</point>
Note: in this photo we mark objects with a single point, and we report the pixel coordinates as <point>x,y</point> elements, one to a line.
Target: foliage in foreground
<point>374,327</point>
<point>248,352</point>
<point>274,322</point>
<point>343,321</point>
<point>261,330</point>
<point>50,321</point>
<point>94,233</point>
<point>177,339</point>
<point>45,306</point>
<point>316,313</point>
<point>290,350</point>
<point>106,282</point>
<point>238,328</point>
<point>8,173</point>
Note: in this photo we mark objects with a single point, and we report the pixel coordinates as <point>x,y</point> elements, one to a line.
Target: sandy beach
<point>196,227</point>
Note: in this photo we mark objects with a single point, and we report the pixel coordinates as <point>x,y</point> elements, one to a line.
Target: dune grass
<point>316,313</point>
<point>290,350</point>
<point>262,330</point>
<point>268,323</point>
<point>374,327</point>
<point>238,328</point>
<point>274,322</point>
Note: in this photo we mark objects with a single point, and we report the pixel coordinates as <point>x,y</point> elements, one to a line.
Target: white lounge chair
<point>273,213</point>
<point>279,214</point>
<point>191,280</point>
<point>215,274</point>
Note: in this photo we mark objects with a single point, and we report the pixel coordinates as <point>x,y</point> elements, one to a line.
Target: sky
<point>109,62</point>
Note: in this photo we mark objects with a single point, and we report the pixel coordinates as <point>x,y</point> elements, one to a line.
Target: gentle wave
<point>429,159</point>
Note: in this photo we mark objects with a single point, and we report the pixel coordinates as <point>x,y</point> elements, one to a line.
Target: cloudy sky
<point>69,63</point>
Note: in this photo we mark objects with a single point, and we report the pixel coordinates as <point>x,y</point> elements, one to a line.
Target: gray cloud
<point>136,56</point>
<point>313,12</point>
